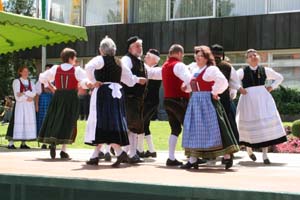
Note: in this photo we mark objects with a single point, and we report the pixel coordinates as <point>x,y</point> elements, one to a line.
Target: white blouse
<point>16,89</point>
<point>49,75</point>
<point>270,73</point>
<point>213,73</point>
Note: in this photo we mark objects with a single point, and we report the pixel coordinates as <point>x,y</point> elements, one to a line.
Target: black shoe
<point>267,161</point>
<point>253,157</point>
<point>201,161</point>
<point>11,147</point>
<point>140,154</point>
<point>53,151</point>
<point>148,154</point>
<point>189,165</point>
<point>228,163</point>
<point>173,163</point>
<point>121,158</point>
<point>101,155</point>
<point>64,155</point>
<point>44,146</point>
<point>92,161</point>
<point>107,157</point>
<point>24,146</point>
<point>135,159</point>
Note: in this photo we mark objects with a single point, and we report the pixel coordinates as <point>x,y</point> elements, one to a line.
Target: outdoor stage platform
<point>31,175</point>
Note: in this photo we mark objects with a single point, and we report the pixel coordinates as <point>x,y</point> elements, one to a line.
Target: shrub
<point>296,128</point>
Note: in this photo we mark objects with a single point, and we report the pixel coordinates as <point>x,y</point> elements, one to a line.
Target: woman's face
<point>24,73</point>
<point>200,59</point>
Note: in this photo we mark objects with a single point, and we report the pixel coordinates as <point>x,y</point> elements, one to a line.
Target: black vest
<point>254,77</point>
<point>139,70</point>
<point>111,71</point>
<point>153,91</point>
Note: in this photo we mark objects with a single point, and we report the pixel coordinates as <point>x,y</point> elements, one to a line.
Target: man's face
<point>253,58</point>
<point>136,49</point>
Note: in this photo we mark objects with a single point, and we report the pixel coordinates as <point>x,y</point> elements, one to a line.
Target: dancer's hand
<point>270,89</point>
<point>243,91</point>
<point>183,87</point>
<point>29,99</point>
<point>98,84</point>
<point>19,94</point>
<point>215,97</point>
<point>142,81</point>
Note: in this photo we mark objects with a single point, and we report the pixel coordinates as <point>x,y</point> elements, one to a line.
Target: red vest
<point>66,79</point>
<point>172,84</point>
<point>202,84</point>
<point>23,88</point>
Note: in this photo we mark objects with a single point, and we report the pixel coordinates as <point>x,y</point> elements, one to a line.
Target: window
<point>99,12</point>
<point>149,11</point>
<point>66,11</point>
<point>240,7</point>
<point>283,5</point>
<point>191,8</point>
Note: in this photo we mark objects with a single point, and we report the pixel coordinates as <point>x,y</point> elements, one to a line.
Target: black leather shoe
<point>101,155</point>
<point>24,146</point>
<point>64,155</point>
<point>107,157</point>
<point>11,147</point>
<point>228,163</point>
<point>267,161</point>
<point>148,154</point>
<point>189,165</point>
<point>172,163</point>
<point>140,154</point>
<point>121,158</point>
<point>92,161</point>
<point>253,157</point>
<point>53,151</point>
<point>201,161</point>
<point>135,159</point>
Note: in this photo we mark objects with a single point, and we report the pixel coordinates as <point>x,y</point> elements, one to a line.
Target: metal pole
<point>44,51</point>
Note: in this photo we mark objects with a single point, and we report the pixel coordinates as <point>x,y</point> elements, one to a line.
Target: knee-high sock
<point>126,148</point>
<point>64,148</point>
<point>107,148</point>
<point>140,142</point>
<point>133,144</point>
<point>150,143</point>
<point>96,151</point>
<point>172,146</point>
<point>249,150</point>
<point>265,151</point>
<point>192,160</point>
<point>118,150</point>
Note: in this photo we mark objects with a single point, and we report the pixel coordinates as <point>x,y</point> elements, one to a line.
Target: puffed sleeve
<point>38,88</point>
<point>183,73</point>
<point>153,72</point>
<point>240,73</point>
<point>214,74</point>
<point>48,75</point>
<point>81,77</point>
<point>272,75</point>
<point>127,77</point>
<point>16,89</point>
<point>95,63</point>
<point>234,81</point>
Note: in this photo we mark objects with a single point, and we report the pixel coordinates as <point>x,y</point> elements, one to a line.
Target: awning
<point>19,32</point>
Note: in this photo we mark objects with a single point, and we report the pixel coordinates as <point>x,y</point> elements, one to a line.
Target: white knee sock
<point>64,148</point>
<point>140,142</point>
<point>192,159</point>
<point>96,151</point>
<point>11,143</point>
<point>172,146</point>
<point>107,148</point>
<point>126,148</point>
<point>265,151</point>
<point>249,150</point>
<point>133,144</point>
<point>118,149</point>
<point>150,143</point>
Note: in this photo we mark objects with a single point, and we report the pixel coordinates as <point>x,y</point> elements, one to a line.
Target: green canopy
<point>19,32</point>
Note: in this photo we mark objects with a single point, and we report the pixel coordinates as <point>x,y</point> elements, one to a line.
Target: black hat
<point>132,40</point>
<point>154,51</point>
<point>217,49</point>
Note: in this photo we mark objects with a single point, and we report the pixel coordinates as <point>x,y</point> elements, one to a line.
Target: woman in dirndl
<point>22,126</point>
<point>60,123</point>
<point>206,129</point>
<point>258,120</point>
<point>107,120</point>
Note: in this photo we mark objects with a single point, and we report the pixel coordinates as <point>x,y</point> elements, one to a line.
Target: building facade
<point>270,26</point>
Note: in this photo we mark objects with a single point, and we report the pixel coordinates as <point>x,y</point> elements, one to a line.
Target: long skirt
<point>60,123</point>
<point>206,131</point>
<point>258,120</point>
<point>22,126</point>
<point>44,101</point>
<point>107,119</point>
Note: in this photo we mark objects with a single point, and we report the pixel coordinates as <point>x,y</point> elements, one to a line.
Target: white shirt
<point>49,75</point>
<point>98,63</point>
<point>152,72</point>
<point>213,73</point>
<point>182,72</point>
<point>270,73</point>
<point>16,89</point>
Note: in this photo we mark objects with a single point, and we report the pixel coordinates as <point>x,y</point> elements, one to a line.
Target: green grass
<point>160,133</point>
